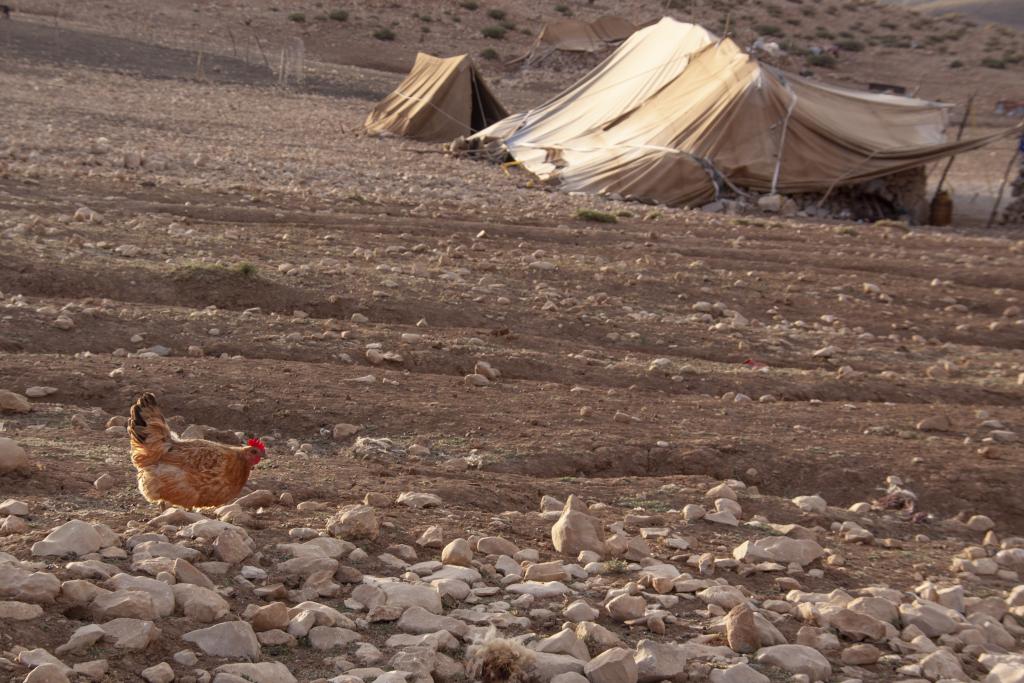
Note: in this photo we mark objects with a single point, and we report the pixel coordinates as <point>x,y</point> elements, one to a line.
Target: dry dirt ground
<point>275,252</point>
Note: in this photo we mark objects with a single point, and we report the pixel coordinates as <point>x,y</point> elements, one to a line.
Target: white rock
<point>72,538</point>
<point>159,673</point>
<point>615,665</point>
<point>11,402</point>
<point>11,506</point>
<point>738,673</point>
<point>811,504</point>
<point>419,500</point>
<point>263,672</point>
<point>19,611</point>
<point>232,639</point>
<point>12,456</point>
<point>780,549</point>
<point>943,665</point>
<point>796,659</point>
<point>933,620</point>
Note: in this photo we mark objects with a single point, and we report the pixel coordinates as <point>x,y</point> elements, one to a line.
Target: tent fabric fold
<point>440,99</point>
<point>675,107</point>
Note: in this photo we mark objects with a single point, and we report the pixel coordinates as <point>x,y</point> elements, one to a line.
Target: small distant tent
<point>677,114</point>
<point>440,99</point>
<point>574,35</point>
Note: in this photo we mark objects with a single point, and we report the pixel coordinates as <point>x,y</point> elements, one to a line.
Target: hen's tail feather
<point>149,433</point>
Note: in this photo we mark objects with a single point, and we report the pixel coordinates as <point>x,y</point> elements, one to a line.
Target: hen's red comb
<point>256,443</point>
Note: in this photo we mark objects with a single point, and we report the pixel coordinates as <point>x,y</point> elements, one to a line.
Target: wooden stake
<point>959,134</point>
<point>1002,186</point>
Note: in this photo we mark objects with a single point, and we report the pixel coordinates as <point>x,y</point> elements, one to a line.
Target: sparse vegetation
<point>470,5</point>
<point>993,63</point>
<point>338,15</point>
<point>595,216</point>
<point>823,60</point>
<point>563,10</point>
<point>384,34</point>
<point>493,32</point>
<point>956,64</point>
<point>490,54</point>
<point>496,14</point>
<point>616,565</point>
<point>246,269</point>
<point>850,45</point>
<point>768,30</point>
<point>297,17</point>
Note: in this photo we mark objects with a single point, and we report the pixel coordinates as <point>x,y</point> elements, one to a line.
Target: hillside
<point>1007,12</point>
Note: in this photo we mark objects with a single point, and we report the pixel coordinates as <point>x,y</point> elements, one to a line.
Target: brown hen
<point>189,473</point>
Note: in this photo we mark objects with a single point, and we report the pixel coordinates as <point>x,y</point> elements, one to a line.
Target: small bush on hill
<point>596,216</point>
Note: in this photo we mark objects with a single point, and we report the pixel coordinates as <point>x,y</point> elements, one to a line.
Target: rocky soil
<point>505,441</point>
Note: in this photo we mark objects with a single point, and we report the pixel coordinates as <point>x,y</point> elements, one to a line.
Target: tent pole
<point>1002,186</point>
<point>959,134</point>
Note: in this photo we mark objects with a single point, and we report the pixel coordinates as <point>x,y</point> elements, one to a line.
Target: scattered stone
<point>861,654</point>
<point>780,549</point>
<point>19,611</point>
<point>231,639</point>
<point>576,531</point>
<point>612,666</point>
<point>796,659</point>
<point>11,402</point>
<point>738,673</point>
<point>72,538</point>
<point>419,500</point>
<point>811,504</point>
<point>741,631</point>
<point>160,673</point>
<point>935,423</point>
<point>12,456</point>
<point>626,607</point>
<point>457,553</point>
<point>353,522</point>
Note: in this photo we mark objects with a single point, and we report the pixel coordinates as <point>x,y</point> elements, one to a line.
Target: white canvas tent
<point>575,35</point>
<point>440,99</point>
<point>676,114</point>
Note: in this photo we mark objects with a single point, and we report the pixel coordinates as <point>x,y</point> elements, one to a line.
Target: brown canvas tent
<point>676,114</point>
<point>574,35</point>
<point>440,99</point>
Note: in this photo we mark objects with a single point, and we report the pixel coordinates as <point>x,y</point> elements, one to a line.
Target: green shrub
<point>496,14</point>
<point>490,54</point>
<point>384,34</point>
<point>850,45</point>
<point>246,269</point>
<point>494,32</point>
<point>596,216</point>
<point>470,5</point>
<point>297,17</point>
<point>564,10</point>
<point>339,15</point>
<point>993,63</point>
<point>768,30</point>
<point>825,61</point>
